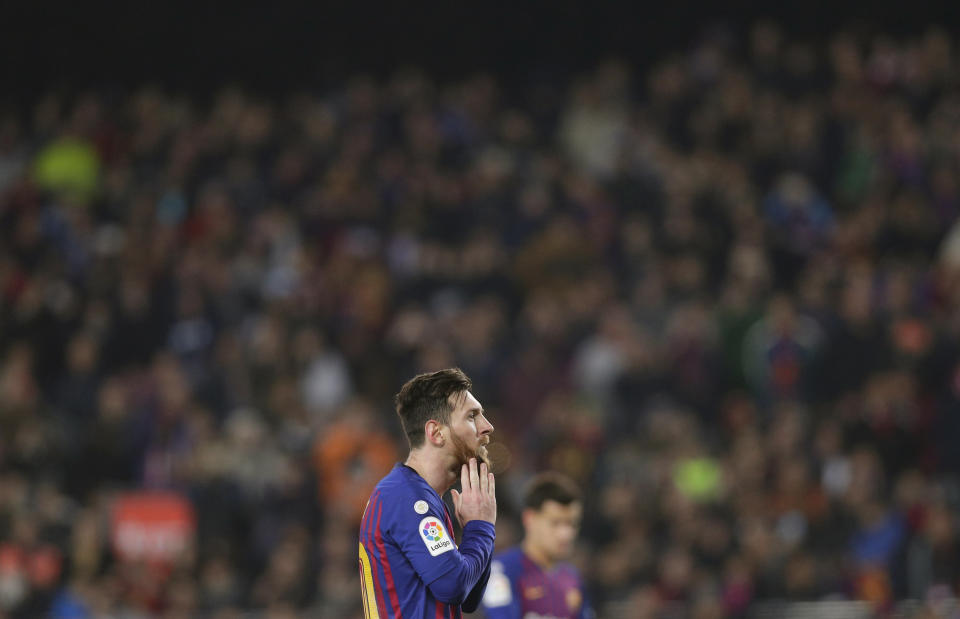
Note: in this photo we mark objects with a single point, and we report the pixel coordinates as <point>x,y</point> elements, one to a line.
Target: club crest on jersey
<point>434,536</point>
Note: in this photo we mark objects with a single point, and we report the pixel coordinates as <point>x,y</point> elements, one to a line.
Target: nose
<point>485,427</point>
<point>566,534</point>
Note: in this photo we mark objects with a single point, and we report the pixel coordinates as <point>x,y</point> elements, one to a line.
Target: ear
<point>433,431</point>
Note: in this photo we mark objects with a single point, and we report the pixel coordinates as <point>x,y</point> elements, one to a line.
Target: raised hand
<point>477,499</point>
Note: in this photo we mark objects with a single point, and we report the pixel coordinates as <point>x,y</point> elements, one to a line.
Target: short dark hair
<point>550,487</point>
<point>427,396</point>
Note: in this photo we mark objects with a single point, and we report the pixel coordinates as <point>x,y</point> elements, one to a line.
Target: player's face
<point>469,429</point>
<point>553,528</point>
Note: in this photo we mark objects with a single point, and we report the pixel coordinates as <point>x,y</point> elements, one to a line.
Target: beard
<point>462,452</point>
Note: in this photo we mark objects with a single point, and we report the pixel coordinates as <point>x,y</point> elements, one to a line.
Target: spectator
<point>722,295</point>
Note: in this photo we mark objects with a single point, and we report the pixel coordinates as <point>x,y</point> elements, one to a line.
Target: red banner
<point>151,526</point>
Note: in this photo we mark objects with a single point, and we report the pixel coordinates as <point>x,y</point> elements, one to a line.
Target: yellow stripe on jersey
<point>366,583</point>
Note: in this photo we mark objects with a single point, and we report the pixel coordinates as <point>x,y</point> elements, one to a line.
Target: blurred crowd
<point>723,294</point>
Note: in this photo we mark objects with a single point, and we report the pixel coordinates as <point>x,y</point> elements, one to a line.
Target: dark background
<point>306,45</point>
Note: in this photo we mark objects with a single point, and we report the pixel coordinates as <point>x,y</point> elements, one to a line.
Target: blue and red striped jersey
<point>410,565</point>
<point>519,588</point>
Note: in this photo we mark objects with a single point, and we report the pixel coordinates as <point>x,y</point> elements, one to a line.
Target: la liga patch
<point>435,536</point>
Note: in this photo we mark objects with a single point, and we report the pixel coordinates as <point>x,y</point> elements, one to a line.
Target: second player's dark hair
<point>550,487</point>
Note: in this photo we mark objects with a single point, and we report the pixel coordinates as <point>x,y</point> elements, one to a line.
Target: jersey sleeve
<point>424,539</point>
<point>586,610</point>
<point>476,594</point>
<point>471,569</point>
<point>500,601</point>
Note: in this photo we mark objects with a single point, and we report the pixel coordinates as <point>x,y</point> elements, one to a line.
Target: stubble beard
<point>463,453</point>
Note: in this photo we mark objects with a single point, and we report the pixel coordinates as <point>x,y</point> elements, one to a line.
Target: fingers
<point>477,498</point>
<point>457,503</point>
<point>484,479</point>
<point>474,476</point>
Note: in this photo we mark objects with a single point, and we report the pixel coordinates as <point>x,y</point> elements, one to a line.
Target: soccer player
<point>410,565</point>
<point>532,580</point>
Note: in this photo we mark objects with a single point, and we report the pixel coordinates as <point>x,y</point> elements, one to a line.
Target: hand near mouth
<point>477,499</point>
